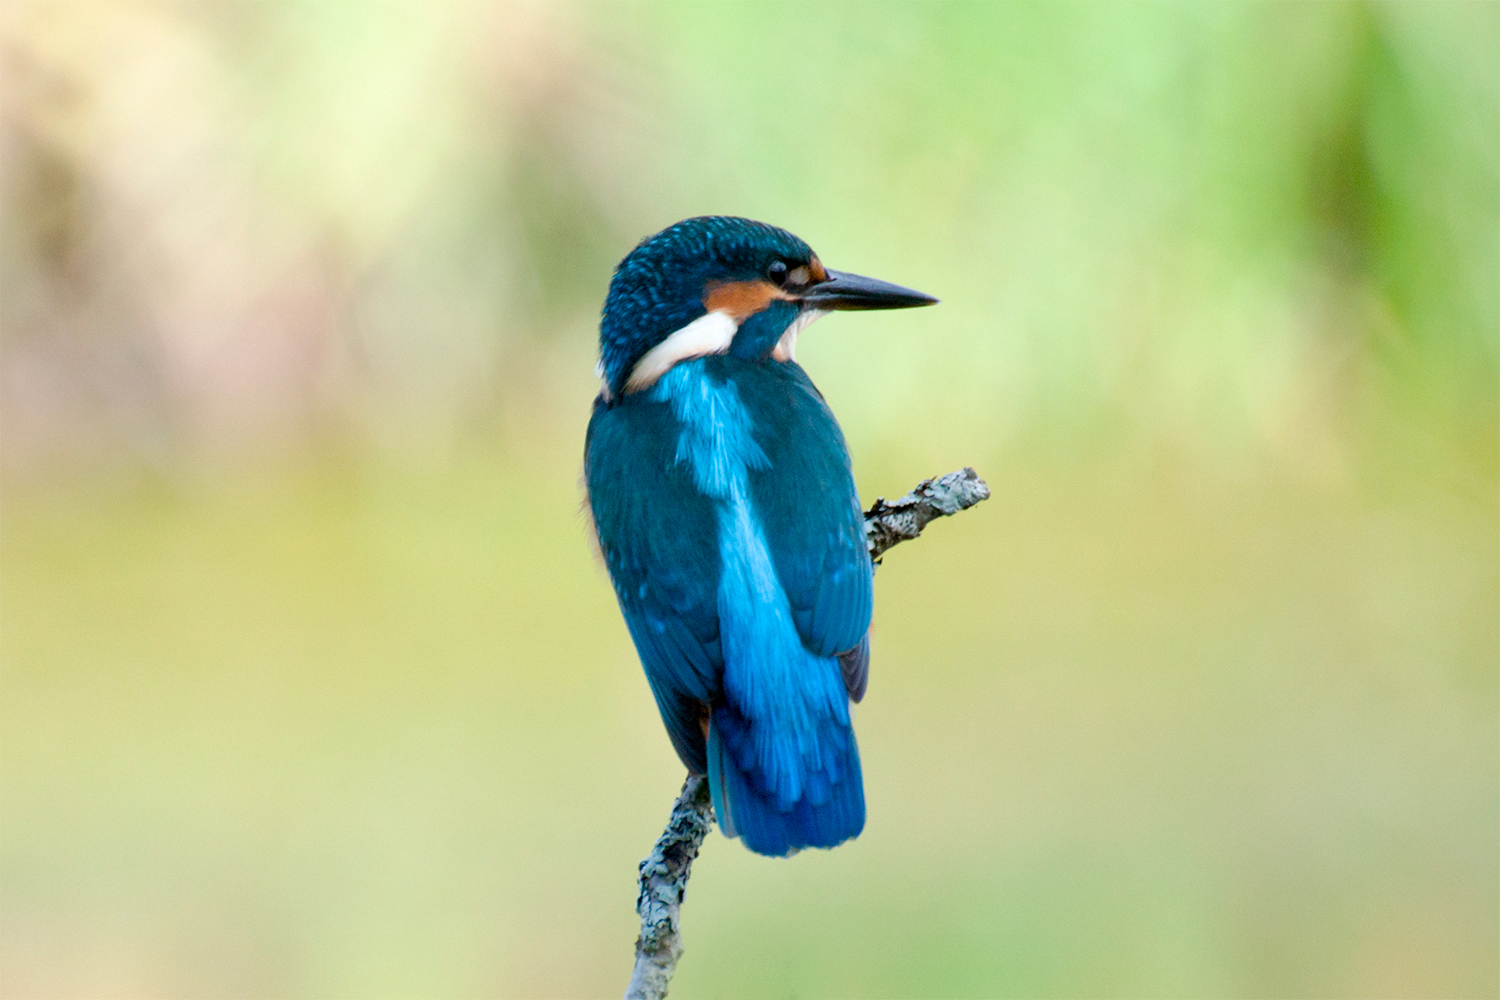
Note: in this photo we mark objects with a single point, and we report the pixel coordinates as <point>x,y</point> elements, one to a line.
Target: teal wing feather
<point>807,503</point>
<point>659,539</point>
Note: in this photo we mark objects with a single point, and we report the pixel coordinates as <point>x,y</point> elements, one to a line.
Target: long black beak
<point>850,291</point>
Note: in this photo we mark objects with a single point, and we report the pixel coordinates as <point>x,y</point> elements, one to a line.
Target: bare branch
<point>664,877</point>
<point>887,524</point>
<point>664,874</point>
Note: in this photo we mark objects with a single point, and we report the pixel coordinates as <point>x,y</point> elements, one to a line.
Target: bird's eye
<point>777,273</point>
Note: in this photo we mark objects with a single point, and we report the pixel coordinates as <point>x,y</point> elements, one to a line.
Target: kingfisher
<point>724,506</point>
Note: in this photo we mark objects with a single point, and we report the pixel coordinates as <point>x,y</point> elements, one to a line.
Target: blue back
<point>728,518</point>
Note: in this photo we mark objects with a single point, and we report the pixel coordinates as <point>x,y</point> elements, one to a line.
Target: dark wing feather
<point>810,511</point>
<point>659,538</point>
<point>855,664</point>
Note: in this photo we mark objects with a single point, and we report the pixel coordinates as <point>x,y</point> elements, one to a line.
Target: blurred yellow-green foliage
<point>311,687</point>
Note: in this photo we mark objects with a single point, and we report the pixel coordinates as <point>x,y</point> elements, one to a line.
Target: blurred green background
<point>310,687</point>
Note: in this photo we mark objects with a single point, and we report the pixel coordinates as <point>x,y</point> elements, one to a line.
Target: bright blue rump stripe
<point>783,762</point>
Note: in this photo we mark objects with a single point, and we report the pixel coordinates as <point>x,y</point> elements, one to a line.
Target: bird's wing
<point>810,512</point>
<point>855,665</point>
<point>659,538</point>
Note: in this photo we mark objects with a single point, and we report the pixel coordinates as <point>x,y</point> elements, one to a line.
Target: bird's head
<point>718,284</point>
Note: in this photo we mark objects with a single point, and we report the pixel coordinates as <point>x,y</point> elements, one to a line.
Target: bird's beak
<point>851,291</point>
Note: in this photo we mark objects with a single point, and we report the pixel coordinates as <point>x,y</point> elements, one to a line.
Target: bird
<point>723,503</point>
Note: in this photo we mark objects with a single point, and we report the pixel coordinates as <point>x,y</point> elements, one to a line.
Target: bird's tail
<point>784,786</point>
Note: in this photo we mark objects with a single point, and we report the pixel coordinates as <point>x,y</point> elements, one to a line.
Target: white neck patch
<point>711,333</point>
<point>786,347</point>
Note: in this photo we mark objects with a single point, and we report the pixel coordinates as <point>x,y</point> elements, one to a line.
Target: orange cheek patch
<point>741,299</point>
<point>819,272</point>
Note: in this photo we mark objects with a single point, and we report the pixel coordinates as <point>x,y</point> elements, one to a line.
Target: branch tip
<point>889,524</point>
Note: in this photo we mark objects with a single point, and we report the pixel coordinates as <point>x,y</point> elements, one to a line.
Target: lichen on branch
<point>887,524</point>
